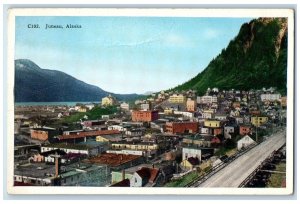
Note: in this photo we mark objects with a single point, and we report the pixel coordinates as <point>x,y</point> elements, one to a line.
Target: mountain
<point>255,58</point>
<point>34,84</point>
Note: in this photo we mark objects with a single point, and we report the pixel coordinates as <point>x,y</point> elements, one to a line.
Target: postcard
<point>150,101</point>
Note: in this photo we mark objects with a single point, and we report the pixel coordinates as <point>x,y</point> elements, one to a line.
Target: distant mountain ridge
<point>34,84</point>
<point>255,58</point>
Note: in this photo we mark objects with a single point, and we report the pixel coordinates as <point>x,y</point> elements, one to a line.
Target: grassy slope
<point>251,68</point>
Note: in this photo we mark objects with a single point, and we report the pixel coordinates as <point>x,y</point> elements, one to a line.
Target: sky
<point>126,54</point>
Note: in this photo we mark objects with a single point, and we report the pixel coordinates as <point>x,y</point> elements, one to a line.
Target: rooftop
<point>88,134</point>
<point>111,159</point>
<point>35,170</point>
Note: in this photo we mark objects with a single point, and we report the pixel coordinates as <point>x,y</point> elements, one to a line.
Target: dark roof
<point>55,151</point>
<point>150,174</point>
<point>88,134</point>
<point>123,183</point>
<point>194,161</point>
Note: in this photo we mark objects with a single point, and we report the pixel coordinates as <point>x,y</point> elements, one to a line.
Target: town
<point>167,139</point>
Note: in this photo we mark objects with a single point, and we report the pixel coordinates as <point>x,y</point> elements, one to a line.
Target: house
<point>283,101</point>
<point>144,116</point>
<point>168,111</point>
<point>144,146</point>
<point>84,148</point>
<point>258,120</point>
<point>82,109</point>
<point>93,124</point>
<point>43,134</point>
<point>229,129</point>
<point>83,135</point>
<point>204,130</point>
<point>245,142</point>
<point>182,127</point>
<point>220,117</point>
<point>116,162</point>
<point>208,114</point>
<point>135,132</point>
<point>207,99</point>
<point>90,106</point>
<point>245,129</point>
<point>82,174</point>
<point>109,138</point>
<point>191,105</point>
<point>196,152</point>
<point>35,174</point>
<point>109,101</point>
<point>177,98</point>
<point>122,183</point>
<point>146,106</point>
<point>144,176</point>
<point>124,106</point>
<point>212,123</point>
<point>190,163</point>
<point>270,97</point>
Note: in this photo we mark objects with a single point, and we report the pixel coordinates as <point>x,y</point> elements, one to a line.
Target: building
<point>177,98</point>
<point>221,117</point>
<point>182,127</point>
<point>146,146</point>
<point>93,124</point>
<point>35,174</point>
<point>196,152</point>
<point>146,106</point>
<point>284,101</point>
<point>109,101</point>
<point>82,109</point>
<point>212,123</point>
<point>43,134</point>
<point>207,99</point>
<point>244,129</point>
<point>270,97</point>
<point>109,138</point>
<point>124,106</point>
<point>201,140</point>
<point>82,136</point>
<point>245,142</point>
<point>258,121</point>
<point>116,162</point>
<point>190,163</point>
<point>87,148</point>
<point>144,116</point>
<point>208,114</point>
<point>144,176</point>
<point>191,105</point>
<point>82,174</point>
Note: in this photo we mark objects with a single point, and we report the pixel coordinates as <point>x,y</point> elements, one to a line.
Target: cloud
<point>210,33</point>
<point>176,40</point>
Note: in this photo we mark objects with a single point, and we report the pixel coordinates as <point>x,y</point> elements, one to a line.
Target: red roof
<point>112,160</point>
<point>88,134</point>
<point>123,183</point>
<point>16,183</point>
<point>149,174</point>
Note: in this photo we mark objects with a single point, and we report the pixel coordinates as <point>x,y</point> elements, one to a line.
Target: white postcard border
<point>151,13</point>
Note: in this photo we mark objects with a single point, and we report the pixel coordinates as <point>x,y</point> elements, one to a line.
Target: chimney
<point>57,166</point>
<point>123,174</point>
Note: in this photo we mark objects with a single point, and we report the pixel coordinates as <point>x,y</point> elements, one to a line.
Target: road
<point>237,171</point>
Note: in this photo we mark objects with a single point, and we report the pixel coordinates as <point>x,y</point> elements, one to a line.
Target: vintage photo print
<point>150,101</point>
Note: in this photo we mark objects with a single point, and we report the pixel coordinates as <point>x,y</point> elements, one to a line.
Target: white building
<point>185,114</point>
<point>245,142</point>
<point>188,152</point>
<point>124,106</point>
<point>270,97</point>
<point>145,106</point>
<point>207,99</point>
